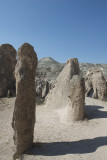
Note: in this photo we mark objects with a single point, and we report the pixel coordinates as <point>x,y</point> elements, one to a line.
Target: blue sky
<point>60,29</point>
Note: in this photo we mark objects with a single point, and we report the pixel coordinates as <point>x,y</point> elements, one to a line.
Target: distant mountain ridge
<point>49,62</point>
<point>49,69</point>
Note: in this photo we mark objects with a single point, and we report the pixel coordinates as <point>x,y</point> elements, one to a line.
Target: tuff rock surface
<point>24,110</point>
<point>62,93</point>
<point>7,67</point>
<point>96,85</point>
<point>77,99</point>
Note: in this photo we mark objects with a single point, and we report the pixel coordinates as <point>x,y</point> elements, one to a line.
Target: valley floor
<point>55,137</point>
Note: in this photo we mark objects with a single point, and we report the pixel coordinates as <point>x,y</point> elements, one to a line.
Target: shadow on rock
<point>63,148</point>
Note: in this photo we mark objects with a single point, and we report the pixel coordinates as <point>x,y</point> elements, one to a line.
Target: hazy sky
<point>60,29</point>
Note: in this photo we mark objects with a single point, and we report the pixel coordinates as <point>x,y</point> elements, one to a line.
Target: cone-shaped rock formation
<point>66,92</point>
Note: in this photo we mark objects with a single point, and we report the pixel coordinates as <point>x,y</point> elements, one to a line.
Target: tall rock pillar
<point>7,67</point>
<point>24,110</point>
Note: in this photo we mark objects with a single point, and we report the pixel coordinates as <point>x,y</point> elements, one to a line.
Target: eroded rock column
<point>7,67</point>
<point>95,83</point>
<point>77,99</point>
<point>24,110</point>
<point>59,95</point>
<point>69,91</point>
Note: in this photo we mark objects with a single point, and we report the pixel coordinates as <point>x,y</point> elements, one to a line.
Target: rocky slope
<point>48,69</point>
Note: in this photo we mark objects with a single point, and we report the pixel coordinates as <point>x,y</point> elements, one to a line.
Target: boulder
<point>24,109</point>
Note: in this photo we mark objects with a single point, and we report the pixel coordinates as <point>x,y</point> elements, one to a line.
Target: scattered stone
<point>24,110</point>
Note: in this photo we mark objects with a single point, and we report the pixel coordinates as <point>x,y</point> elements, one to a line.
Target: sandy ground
<point>57,138</point>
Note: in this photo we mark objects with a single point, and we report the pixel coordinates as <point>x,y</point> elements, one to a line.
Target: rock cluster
<point>7,67</point>
<point>96,85</point>
<point>42,89</point>
<point>24,110</point>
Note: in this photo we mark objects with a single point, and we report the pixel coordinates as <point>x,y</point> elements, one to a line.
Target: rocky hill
<point>49,69</point>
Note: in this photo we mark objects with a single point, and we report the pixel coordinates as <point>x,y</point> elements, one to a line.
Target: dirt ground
<point>55,137</point>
